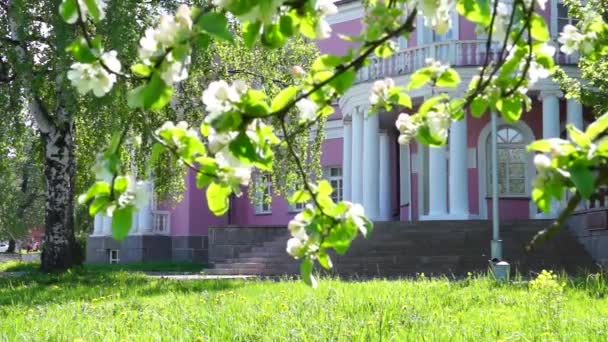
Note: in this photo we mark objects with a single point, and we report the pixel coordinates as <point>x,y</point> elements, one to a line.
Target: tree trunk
<point>11,246</point>
<point>58,252</point>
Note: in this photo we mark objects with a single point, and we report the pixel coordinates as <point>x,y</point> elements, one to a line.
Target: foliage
<point>236,133</point>
<point>22,187</point>
<point>116,305</point>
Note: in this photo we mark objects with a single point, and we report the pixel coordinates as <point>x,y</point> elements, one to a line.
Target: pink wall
<point>191,216</point>
<point>334,44</point>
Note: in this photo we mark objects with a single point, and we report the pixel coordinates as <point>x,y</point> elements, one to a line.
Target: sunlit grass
<point>93,305</point>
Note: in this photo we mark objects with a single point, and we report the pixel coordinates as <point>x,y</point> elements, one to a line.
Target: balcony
<point>161,222</point>
<point>457,53</point>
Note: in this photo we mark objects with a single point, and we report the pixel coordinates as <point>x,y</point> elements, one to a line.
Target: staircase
<point>400,249</point>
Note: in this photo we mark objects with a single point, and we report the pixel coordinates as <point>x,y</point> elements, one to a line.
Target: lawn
<point>92,305</point>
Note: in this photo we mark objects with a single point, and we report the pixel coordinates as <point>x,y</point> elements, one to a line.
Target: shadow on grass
<point>82,285</point>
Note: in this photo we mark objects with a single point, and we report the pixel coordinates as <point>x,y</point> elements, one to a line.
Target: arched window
<point>512,161</point>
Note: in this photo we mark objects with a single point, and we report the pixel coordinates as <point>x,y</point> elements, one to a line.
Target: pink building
<point>365,164</point>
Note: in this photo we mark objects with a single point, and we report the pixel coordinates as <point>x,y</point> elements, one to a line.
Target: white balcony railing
<point>161,222</point>
<point>457,53</point>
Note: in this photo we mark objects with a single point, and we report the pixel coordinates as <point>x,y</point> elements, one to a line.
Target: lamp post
<point>500,268</point>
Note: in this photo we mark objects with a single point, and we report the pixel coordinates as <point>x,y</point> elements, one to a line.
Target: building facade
<point>364,162</point>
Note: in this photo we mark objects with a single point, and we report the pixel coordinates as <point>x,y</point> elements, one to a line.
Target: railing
<point>457,53</point>
<point>599,200</point>
<point>161,222</point>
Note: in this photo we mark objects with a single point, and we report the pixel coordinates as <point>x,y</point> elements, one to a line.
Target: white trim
<point>347,12</point>
<point>482,164</point>
<point>553,19</point>
<point>334,129</point>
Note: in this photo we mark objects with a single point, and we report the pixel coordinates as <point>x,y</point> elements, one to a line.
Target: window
<point>563,18</point>
<point>114,259</point>
<point>334,176</point>
<point>263,196</point>
<point>512,161</point>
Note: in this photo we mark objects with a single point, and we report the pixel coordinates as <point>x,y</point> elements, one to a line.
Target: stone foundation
<point>229,242</point>
<point>148,248</point>
<point>591,230</point>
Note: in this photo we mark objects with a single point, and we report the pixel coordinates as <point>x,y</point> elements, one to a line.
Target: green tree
<point>36,48</point>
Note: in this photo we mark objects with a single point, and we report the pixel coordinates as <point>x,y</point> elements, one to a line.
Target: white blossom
<point>501,21</point>
<point>236,173</point>
<point>437,14</point>
<point>219,98</point>
<point>217,141</point>
<point>308,110</point>
<point>438,122</point>
<point>297,227</point>
<point>536,71</point>
<point>570,39</point>
<point>93,76</point>
<point>407,127</point>
<point>542,162</point>
<point>295,247</point>
<point>380,91</point>
<point>356,213</point>
<point>174,71</point>
<point>136,194</point>
<point>323,29</point>
<point>324,8</point>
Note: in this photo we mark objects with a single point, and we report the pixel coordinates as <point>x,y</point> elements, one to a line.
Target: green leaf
<point>300,196</point>
<point>81,51</point>
<point>477,11</point>
<point>286,25</point>
<point>510,108</point>
<point>227,122</point>
<point>542,199</point>
<point>122,220</point>
<point>217,198</point>
<point>141,70</point>
<point>283,98</point>
<point>538,28</point>
<point>306,273</point>
<point>120,184</point>
<point>582,178</point>
<point>324,260</point>
<point>154,95</point>
<point>324,188</point>
<point>98,204</point>
<point>251,31</point>
<point>69,11</point>
<point>343,82</point>
<point>424,136</point>
<point>94,11</point>
<point>385,50</point>
<point>99,188</point>
<point>478,106</point>
<point>449,78</point>
<point>272,36</point>
<point>216,25</point>
<point>579,137</point>
<point>597,127</point>
<point>420,78</point>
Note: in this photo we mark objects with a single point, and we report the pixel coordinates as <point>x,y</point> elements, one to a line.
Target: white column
<point>437,184</point>
<point>458,178</point>
<point>107,225</point>
<point>347,149</point>
<point>384,200</point>
<point>575,113</point>
<point>370,165</point>
<point>98,225</point>
<point>550,114</point>
<point>357,157</point>
<point>551,128</point>
<point>145,213</point>
<point>135,228</point>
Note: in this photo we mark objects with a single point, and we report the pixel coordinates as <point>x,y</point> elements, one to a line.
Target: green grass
<point>177,267</point>
<point>112,306</point>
